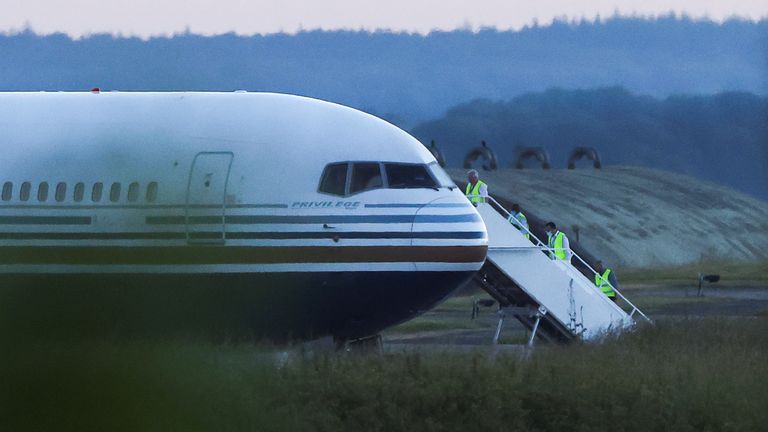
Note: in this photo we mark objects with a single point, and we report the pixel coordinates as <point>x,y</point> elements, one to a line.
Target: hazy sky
<point>154,17</point>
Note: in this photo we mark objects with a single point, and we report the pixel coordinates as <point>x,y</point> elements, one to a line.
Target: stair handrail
<point>550,251</point>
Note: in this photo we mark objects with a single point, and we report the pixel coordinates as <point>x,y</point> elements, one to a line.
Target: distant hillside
<point>723,137</point>
<point>408,78</point>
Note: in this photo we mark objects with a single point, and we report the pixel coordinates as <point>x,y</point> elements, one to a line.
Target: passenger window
<point>7,191</point>
<point>42,192</point>
<point>404,176</point>
<point>152,192</point>
<point>133,192</point>
<point>334,179</point>
<point>96,192</point>
<point>61,192</point>
<point>114,192</point>
<point>26,188</point>
<point>79,191</point>
<point>365,176</point>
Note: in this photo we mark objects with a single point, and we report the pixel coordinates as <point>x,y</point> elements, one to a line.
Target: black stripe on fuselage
<point>455,235</point>
<point>136,206</point>
<point>264,219</point>
<point>45,220</point>
<point>410,205</point>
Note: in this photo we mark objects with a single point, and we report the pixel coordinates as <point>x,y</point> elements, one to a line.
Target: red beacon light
<point>96,90</point>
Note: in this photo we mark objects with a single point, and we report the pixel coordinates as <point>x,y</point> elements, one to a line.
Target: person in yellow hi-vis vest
<point>558,242</point>
<point>519,220</point>
<point>605,279</point>
<point>477,190</point>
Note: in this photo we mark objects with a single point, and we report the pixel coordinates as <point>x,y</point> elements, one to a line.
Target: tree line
<point>721,138</point>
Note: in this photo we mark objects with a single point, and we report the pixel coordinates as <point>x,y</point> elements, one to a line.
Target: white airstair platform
<point>550,297</point>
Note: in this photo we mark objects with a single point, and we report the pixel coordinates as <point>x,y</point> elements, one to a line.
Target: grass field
<point>680,375</point>
<point>683,374</point>
<point>731,274</point>
<point>461,303</point>
<point>651,303</point>
<point>425,323</point>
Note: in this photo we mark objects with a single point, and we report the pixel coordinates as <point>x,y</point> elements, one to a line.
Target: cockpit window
<point>334,179</point>
<point>346,178</point>
<point>365,176</point>
<point>440,175</point>
<point>406,176</point>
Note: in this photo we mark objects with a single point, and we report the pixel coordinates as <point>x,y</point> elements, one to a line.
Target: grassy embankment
<point>731,274</point>
<point>694,375</point>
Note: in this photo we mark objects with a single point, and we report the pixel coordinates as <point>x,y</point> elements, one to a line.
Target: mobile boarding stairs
<point>551,298</point>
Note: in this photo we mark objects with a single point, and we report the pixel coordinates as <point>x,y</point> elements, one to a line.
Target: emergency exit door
<point>206,207</point>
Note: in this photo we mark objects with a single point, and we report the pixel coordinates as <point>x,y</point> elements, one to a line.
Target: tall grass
<point>692,375</point>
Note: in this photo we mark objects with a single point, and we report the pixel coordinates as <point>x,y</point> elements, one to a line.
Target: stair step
<point>519,274</point>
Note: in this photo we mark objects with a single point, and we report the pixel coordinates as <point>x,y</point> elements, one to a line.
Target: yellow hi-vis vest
<point>474,195</point>
<point>520,221</point>
<point>556,243</point>
<point>604,285</point>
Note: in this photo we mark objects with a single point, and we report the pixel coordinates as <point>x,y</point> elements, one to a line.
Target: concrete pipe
<point>581,152</point>
<point>490,163</point>
<point>538,153</point>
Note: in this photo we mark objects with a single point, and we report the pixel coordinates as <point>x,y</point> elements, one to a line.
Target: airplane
<point>298,217</point>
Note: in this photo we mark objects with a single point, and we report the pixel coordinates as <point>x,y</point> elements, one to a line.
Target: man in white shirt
<point>558,243</point>
<point>477,190</point>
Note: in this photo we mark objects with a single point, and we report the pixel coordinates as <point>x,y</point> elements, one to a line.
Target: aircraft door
<point>206,206</point>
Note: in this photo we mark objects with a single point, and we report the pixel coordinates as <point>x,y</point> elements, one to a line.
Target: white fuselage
<point>228,184</point>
